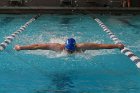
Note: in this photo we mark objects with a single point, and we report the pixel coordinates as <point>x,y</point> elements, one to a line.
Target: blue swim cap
<point>70,44</point>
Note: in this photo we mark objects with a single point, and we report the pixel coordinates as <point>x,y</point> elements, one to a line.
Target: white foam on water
<point>87,54</point>
<point>26,39</point>
<point>58,40</point>
<point>93,53</point>
<point>47,53</point>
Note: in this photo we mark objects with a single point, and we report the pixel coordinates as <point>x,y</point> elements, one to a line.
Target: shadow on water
<point>128,23</point>
<point>5,21</point>
<point>60,83</point>
<point>65,23</point>
<point>65,20</point>
<point>63,82</point>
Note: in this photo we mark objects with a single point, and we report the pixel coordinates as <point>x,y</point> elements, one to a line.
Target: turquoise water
<point>97,71</point>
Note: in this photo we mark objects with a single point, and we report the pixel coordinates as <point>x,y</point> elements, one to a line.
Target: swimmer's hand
<point>120,46</point>
<point>17,47</point>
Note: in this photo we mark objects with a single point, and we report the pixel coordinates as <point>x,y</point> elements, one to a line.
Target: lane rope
<point>10,38</point>
<point>125,50</point>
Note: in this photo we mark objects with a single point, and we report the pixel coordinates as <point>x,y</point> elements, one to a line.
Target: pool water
<point>43,71</point>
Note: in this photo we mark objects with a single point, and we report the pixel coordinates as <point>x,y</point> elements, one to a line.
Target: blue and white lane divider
<point>125,50</point>
<point>10,38</point>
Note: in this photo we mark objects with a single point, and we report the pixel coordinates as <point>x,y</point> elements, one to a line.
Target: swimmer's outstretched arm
<point>48,46</point>
<point>94,46</point>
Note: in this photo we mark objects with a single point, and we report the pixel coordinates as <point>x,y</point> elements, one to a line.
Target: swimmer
<point>70,46</point>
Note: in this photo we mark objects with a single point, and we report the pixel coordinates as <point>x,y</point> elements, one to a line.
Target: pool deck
<point>85,10</point>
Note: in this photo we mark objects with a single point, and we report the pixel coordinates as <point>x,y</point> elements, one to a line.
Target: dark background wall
<point>3,3</point>
<point>80,3</point>
<point>135,3</point>
<point>43,3</point>
<point>89,3</point>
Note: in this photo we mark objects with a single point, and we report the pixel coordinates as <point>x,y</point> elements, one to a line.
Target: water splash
<point>87,55</point>
<point>93,53</point>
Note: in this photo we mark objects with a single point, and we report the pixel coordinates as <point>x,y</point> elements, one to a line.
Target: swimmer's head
<point>70,44</point>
